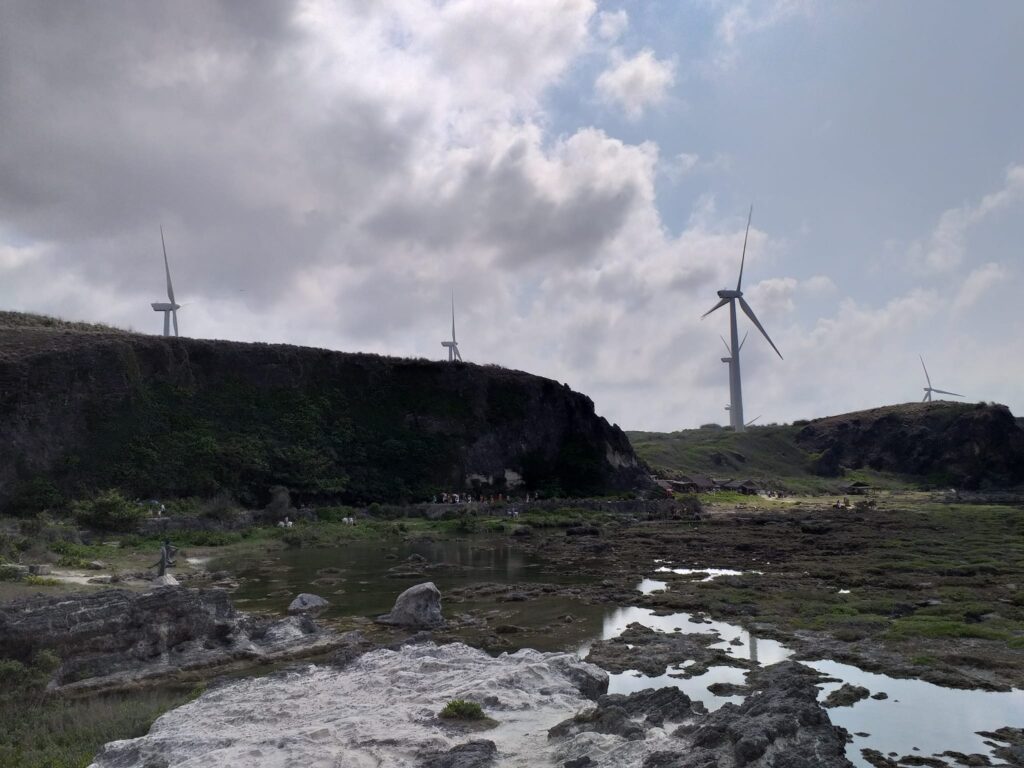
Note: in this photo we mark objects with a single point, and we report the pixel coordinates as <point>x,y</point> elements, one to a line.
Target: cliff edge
<point>87,407</point>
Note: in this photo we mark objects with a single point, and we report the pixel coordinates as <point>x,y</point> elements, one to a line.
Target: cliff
<point>88,407</point>
<point>966,445</point>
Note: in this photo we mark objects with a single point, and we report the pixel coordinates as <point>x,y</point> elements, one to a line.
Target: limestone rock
<point>419,607</point>
<point>478,753</point>
<point>165,581</point>
<point>307,603</point>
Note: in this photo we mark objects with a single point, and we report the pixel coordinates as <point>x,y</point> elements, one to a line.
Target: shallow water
<point>916,714</point>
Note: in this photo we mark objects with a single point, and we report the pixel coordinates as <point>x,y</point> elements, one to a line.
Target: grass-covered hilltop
<point>937,444</point>
<point>86,408</point>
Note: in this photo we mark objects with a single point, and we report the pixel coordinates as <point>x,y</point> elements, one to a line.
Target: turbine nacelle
<point>728,294</point>
<point>164,306</point>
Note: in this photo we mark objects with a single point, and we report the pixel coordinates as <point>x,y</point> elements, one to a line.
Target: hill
<point>84,408</point>
<point>915,444</point>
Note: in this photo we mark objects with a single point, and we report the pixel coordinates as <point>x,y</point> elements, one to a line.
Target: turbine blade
<point>174,314</point>
<point>927,378</point>
<point>752,420</point>
<point>744,258</point>
<point>926,398</point>
<point>167,269</point>
<point>726,345</point>
<point>722,303</point>
<point>453,315</point>
<point>944,392</point>
<point>753,318</point>
<point>744,339</point>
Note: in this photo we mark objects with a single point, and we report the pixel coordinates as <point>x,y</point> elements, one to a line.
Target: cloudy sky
<point>578,172</point>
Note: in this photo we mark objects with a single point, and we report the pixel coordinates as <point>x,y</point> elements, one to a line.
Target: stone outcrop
<point>960,444</point>
<point>779,725</point>
<point>370,712</point>
<point>307,603</point>
<point>419,607</point>
<point>358,428</point>
<point>651,652</point>
<point>115,638</point>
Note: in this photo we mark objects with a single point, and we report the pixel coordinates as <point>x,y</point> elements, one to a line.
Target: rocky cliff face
<point>83,408</point>
<point>969,446</point>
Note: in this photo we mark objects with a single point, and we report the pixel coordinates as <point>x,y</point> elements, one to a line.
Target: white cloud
<point>612,24</point>
<point>944,250</point>
<point>744,18</point>
<point>977,284</point>
<point>635,83</point>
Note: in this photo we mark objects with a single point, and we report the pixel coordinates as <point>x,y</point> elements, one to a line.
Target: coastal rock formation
<point>651,652</point>
<point>380,709</point>
<point>114,638</point>
<point>779,724</point>
<point>419,607</point>
<point>163,417</point>
<point>960,444</point>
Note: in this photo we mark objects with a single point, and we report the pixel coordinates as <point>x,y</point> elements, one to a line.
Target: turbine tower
<point>171,307</point>
<point>453,345</point>
<point>730,297</point>
<point>929,389</point>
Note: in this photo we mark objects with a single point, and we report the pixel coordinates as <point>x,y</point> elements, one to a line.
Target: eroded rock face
<point>113,638</point>
<point>419,607</point>
<point>380,709</point>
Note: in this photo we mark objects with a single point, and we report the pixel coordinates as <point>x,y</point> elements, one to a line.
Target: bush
<point>109,511</point>
<point>459,709</point>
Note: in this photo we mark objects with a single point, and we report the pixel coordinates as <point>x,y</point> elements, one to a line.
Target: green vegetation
<point>41,731</point>
<point>768,454</point>
<point>459,709</point>
<point>109,511</point>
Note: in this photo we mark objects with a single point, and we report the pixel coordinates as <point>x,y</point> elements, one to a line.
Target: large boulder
<point>307,603</point>
<point>419,607</point>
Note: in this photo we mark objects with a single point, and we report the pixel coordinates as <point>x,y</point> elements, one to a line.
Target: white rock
<point>379,710</point>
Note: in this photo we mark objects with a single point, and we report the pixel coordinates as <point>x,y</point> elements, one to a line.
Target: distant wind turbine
<point>170,308</point>
<point>730,297</point>
<point>930,389</point>
<point>453,345</point>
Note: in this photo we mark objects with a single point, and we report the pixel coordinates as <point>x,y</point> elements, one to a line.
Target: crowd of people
<point>468,498</point>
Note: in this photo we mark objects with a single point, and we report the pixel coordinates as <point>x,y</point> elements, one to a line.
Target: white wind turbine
<point>171,307</point>
<point>930,389</point>
<point>453,345</point>
<point>730,297</point>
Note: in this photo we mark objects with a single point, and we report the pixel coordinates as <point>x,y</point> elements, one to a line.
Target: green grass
<point>767,453</point>
<point>459,709</point>
<point>41,731</point>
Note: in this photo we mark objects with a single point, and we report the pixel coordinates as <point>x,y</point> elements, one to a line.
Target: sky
<point>578,173</point>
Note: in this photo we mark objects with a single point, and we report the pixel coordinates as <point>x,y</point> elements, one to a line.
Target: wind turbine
<point>170,308</point>
<point>730,297</point>
<point>453,345</point>
<point>929,389</point>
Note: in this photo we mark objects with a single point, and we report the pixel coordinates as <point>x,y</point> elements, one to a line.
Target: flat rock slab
<point>652,653</point>
<point>307,603</point>
<point>379,710</point>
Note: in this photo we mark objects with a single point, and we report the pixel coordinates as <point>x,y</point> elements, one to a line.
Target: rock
<point>652,652</point>
<point>610,720</point>
<point>96,565</point>
<point>307,603</point>
<point>114,638</point>
<point>729,689</point>
<point>368,713</point>
<point>881,695</point>
<point>101,579</point>
<point>846,696</point>
<point>582,530</point>
<point>579,762</point>
<point>40,569</point>
<point>419,607</point>
<point>165,581</point>
<point>479,753</point>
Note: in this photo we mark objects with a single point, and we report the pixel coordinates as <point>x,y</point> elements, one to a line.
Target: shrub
<point>459,709</point>
<point>110,511</point>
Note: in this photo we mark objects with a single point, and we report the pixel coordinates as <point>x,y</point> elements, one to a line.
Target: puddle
<point>647,586</point>
<point>915,714</point>
<point>712,573</point>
